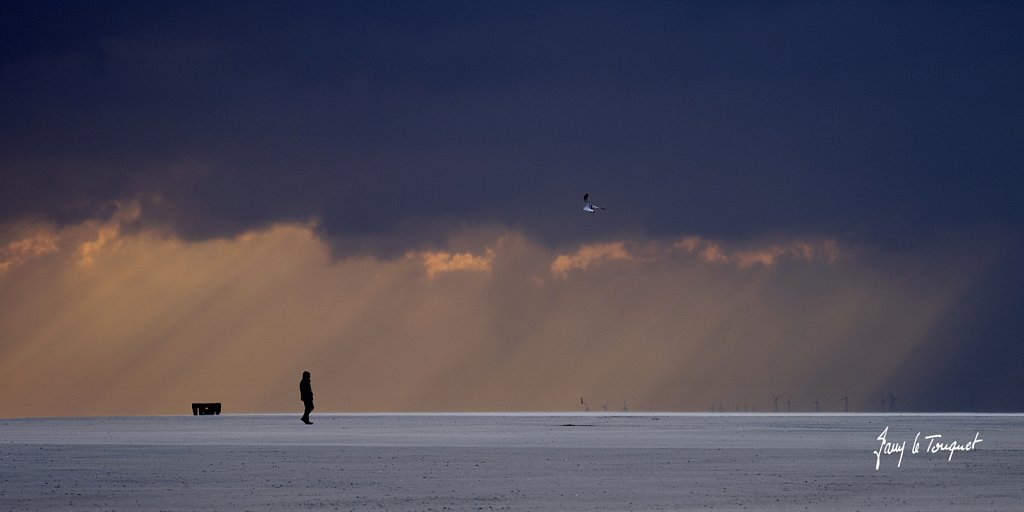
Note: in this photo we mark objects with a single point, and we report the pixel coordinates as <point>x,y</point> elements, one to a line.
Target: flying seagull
<point>590,207</point>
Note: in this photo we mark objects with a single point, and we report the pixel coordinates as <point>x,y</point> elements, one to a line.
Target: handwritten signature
<point>935,445</point>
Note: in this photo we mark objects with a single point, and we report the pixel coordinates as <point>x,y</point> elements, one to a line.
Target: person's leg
<point>308,409</point>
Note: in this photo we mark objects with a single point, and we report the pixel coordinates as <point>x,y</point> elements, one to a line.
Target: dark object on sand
<point>199,409</point>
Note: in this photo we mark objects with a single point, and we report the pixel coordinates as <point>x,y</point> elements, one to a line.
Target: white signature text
<point>935,445</point>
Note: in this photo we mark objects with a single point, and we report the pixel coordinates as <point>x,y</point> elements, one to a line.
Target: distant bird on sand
<point>590,207</point>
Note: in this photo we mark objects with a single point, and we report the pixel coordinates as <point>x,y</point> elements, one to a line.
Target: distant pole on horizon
<point>775,401</point>
<point>788,408</point>
<point>846,402</point>
<point>817,406</point>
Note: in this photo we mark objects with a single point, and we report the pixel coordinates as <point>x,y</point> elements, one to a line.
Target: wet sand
<point>509,462</point>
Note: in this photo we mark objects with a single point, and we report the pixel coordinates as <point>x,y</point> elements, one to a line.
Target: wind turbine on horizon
<point>846,402</point>
<point>775,400</point>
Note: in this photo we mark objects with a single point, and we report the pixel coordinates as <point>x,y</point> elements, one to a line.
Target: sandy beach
<point>510,462</point>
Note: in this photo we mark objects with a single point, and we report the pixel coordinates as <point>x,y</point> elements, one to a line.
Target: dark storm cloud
<point>875,120</point>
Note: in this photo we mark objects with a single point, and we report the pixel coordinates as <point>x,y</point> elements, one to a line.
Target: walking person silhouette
<point>306,395</point>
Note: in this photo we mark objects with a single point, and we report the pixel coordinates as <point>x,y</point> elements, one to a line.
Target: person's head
<point>305,375</point>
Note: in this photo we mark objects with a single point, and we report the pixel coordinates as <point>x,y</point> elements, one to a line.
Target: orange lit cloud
<point>108,232</point>
<point>706,250</point>
<point>21,250</point>
<point>588,255</point>
<point>440,262</point>
<point>159,323</point>
<point>711,251</point>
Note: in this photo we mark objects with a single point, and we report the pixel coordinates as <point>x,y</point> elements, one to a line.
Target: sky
<point>804,199</point>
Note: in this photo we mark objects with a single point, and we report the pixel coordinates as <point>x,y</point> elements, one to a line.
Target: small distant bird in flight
<point>590,207</point>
